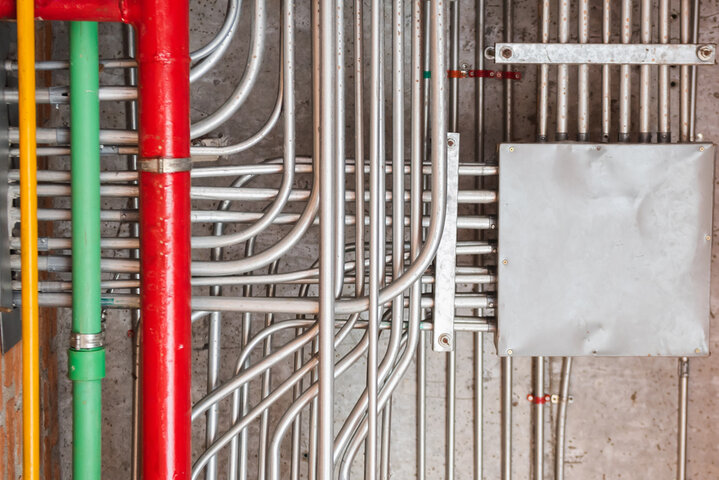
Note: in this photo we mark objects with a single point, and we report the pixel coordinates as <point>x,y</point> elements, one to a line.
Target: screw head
<point>697,350</point>
<point>701,149</point>
<point>704,52</point>
<point>509,351</point>
<point>707,237</point>
<point>506,52</point>
<point>450,142</point>
<point>505,261</point>
<point>445,340</point>
<point>511,149</point>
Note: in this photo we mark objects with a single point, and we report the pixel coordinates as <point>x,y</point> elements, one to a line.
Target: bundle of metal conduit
<point>338,286</point>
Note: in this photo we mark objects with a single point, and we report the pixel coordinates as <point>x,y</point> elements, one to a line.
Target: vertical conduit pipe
<point>538,414</point>
<point>327,135</point>
<point>683,416</point>
<point>664,130</point>
<point>86,357</point>
<point>506,362</point>
<point>606,79</point>
<point>645,73</point>
<point>583,76</point>
<point>563,75</point>
<point>562,418</point>
<point>693,89</point>
<point>164,180</point>
<point>28,235</point>
<point>543,77</point>
<point>684,86</point>
<point>625,86</point>
<point>376,268</point>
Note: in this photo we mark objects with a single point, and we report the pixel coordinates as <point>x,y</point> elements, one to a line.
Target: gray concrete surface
<point>622,422</point>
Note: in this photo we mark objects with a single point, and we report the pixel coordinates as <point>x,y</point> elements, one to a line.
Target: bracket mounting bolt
<point>445,340</point>
<point>704,52</point>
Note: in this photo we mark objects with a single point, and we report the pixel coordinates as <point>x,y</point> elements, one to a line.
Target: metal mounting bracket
<point>446,261</point>
<point>605,54</point>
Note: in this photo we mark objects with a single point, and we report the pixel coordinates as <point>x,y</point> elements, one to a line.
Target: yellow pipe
<point>28,249</point>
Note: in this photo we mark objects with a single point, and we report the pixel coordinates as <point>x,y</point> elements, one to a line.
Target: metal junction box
<point>604,249</point>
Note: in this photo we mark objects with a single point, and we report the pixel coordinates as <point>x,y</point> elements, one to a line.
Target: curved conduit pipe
<point>86,356</point>
<point>249,77</point>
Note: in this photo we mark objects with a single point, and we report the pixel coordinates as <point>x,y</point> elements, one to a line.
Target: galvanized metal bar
<point>445,265</point>
<point>601,53</point>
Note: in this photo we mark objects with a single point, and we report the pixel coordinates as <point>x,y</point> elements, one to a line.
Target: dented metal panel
<point>604,249</point>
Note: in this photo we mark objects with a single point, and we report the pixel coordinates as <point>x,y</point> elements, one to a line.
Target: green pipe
<point>86,355</point>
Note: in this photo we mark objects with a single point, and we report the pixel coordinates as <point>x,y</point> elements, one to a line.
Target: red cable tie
<point>510,75</point>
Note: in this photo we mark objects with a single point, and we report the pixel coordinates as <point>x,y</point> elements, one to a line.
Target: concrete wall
<point>622,422</point>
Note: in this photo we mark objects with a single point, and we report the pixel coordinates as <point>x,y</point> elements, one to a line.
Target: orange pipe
<point>28,231</point>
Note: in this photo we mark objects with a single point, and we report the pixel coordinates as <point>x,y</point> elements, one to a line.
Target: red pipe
<point>164,106</point>
<point>88,10</point>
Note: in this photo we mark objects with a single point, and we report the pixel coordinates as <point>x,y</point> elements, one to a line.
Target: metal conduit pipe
<point>252,194</point>
<point>61,95</point>
<point>439,137</point>
<point>296,334</point>
<point>562,418</point>
<point>248,80</point>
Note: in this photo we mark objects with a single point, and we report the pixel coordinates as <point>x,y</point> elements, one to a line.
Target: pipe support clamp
<point>165,165</point>
<point>87,341</point>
